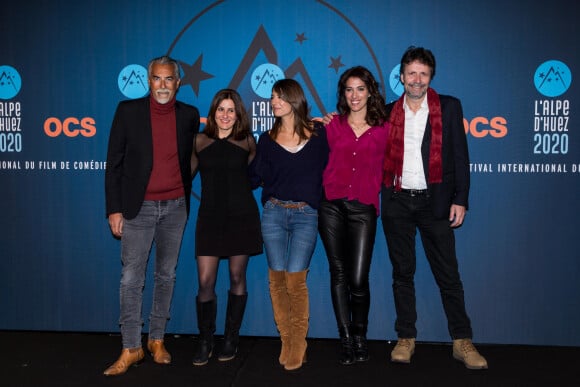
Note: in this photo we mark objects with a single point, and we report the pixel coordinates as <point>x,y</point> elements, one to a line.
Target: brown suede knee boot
<point>281,308</point>
<point>299,314</point>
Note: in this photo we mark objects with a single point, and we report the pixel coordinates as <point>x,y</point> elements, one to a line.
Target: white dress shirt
<point>415,123</point>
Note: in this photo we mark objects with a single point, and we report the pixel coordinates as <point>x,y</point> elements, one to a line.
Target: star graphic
<point>193,75</point>
<point>336,63</point>
<point>300,38</point>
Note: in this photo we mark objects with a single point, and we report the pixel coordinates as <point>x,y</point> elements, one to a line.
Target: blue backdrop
<point>64,66</point>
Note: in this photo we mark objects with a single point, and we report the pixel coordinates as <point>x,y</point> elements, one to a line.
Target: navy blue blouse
<point>291,176</point>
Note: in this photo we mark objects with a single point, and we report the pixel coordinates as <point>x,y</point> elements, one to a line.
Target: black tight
<point>207,269</point>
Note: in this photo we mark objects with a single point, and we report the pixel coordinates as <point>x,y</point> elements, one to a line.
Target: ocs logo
<point>10,82</point>
<point>264,77</point>
<point>552,78</point>
<point>70,127</point>
<point>132,81</point>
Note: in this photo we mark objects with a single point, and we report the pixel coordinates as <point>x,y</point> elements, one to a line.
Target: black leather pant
<point>347,229</point>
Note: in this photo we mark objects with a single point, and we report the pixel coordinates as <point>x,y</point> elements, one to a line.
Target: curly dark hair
<point>376,111</point>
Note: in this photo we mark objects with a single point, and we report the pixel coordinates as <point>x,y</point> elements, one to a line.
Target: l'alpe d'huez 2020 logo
<point>551,115</point>
<point>252,49</point>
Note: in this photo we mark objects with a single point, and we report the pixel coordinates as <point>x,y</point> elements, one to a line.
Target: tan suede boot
<point>299,314</point>
<point>465,351</point>
<point>403,351</point>
<point>281,308</point>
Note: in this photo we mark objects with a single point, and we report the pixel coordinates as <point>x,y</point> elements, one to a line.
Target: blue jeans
<point>161,222</point>
<point>289,236</point>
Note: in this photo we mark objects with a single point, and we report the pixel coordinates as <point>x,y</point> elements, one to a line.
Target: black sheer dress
<point>228,220</point>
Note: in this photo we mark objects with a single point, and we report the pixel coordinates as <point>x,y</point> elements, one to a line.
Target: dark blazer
<point>454,189</point>
<point>130,154</point>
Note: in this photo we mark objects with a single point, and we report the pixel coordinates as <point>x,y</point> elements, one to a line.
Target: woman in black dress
<point>228,220</point>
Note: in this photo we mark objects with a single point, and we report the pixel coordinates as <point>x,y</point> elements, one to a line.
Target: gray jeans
<point>162,222</point>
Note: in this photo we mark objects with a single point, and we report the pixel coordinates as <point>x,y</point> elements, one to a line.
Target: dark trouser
<point>402,214</point>
<point>347,229</point>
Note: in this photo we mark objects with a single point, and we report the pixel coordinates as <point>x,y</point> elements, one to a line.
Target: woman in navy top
<point>289,163</point>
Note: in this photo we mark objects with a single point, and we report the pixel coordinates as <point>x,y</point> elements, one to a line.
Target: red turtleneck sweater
<point>165,182</point>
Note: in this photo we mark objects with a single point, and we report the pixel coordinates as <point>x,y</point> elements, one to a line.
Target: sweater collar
<point>162,108</point>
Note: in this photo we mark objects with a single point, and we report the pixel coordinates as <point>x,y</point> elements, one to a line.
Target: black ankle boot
<point>346,356</point>
<point>359,337</point>
<point>234,316</point>
<point>361,350</point>
<point>206,313</point>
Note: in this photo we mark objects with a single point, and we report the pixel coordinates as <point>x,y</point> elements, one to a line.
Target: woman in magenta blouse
<point>357,139</point>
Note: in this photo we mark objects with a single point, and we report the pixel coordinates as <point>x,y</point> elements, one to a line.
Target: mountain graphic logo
<point>132,81</point>
<point>264,77</point>
<point>552,78</point>
<point>251,50</point>
<point>395,80</point>
<point>10,82</point>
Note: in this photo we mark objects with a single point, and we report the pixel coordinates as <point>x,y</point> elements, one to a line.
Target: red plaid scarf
<point>395,149</point>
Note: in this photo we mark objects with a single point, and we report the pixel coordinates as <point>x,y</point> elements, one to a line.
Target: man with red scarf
<point>426,187</point>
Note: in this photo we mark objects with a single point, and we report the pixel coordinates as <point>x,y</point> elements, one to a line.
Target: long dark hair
<point>376,112</point>
<point>290,91</point>
<point>241,127</point>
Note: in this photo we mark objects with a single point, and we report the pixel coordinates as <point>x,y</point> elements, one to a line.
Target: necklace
<point>358,128</point>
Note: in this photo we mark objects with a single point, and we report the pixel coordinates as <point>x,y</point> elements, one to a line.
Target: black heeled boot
<point>361,349</point>
<point>234,316</point>
<point>346,356</point>
<point>206,313</point>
